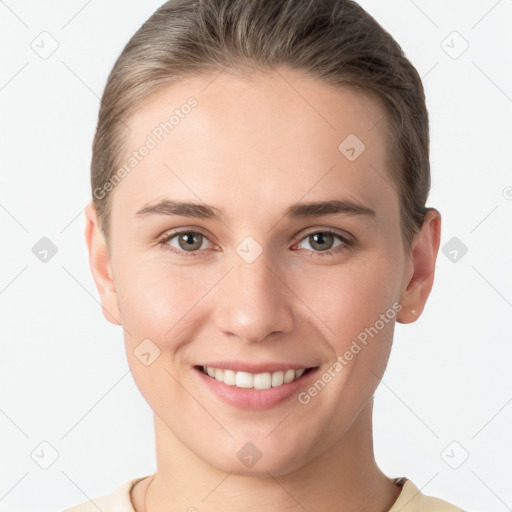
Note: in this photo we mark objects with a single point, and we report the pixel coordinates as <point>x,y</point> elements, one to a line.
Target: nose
<point>254,301</point>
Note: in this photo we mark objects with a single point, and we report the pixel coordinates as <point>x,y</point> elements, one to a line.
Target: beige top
<point>409,500</point>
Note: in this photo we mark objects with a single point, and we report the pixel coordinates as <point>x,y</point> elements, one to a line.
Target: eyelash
<point>347,243</point>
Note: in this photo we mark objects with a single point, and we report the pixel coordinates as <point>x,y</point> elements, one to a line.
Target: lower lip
<point>250,398</point>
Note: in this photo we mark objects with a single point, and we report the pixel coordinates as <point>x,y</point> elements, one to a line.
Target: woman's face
<point>257,282</point>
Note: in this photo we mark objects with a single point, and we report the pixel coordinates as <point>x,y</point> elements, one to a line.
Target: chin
<point>248,460</point>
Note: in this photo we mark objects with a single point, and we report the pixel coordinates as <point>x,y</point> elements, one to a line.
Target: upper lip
<point>241,366</point>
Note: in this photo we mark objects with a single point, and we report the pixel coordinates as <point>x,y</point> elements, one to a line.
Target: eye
<point>190,243</point>
<point>323,242</point>
<point>186,241</point>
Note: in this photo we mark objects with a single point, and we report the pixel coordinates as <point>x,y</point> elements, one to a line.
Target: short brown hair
<point>334,41</point>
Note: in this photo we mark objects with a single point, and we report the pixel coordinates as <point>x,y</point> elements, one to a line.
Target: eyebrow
<point>299,210</point>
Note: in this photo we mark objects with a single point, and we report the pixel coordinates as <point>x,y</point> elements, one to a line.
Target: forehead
<point>277,136</point>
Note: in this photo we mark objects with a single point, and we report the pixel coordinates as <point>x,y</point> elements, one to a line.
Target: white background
<point>63,372</point>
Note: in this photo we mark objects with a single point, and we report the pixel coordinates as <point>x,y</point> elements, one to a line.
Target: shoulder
<point>411,499</point>
<point>117,501</point>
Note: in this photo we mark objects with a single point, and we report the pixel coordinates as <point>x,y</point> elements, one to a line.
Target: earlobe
<point>99,262</point>
<point>423,257</point>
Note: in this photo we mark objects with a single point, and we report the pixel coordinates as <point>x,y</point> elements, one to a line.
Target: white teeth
<point>289,376</point>
<point>277,379</point>
<point>243,380</point>
<point>262,380</point>
<point>248,380</point>
<point>229,377</point>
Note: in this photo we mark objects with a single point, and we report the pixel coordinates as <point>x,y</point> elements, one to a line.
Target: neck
<point>345,478</point>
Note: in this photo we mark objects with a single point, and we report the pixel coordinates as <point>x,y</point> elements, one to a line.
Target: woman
<point>258,225</point>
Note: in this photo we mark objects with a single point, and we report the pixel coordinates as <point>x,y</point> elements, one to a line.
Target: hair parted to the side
<point>334,41</point>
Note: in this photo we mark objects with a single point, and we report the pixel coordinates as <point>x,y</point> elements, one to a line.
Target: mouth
<point>259,381</point>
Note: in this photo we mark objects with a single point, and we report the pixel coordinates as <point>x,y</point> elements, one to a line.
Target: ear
<point>99,261</point>
<point>422,259</point>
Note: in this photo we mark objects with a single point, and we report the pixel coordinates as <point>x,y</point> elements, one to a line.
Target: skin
<point>252,147</point>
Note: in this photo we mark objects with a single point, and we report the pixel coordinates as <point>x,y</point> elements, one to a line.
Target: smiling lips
<point>264,380</point>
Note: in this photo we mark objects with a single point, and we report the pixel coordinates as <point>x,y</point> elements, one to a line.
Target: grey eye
<point>188,241</point>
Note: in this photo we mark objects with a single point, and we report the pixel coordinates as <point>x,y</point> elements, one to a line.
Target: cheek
<point>165,305</point>
<point>153,308</point>
<point>154,298</point>
<point>350,297</point>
